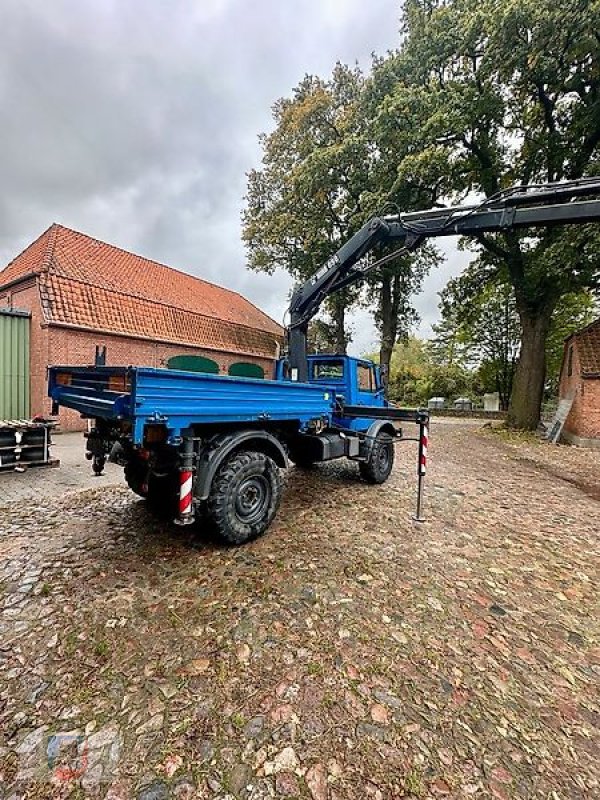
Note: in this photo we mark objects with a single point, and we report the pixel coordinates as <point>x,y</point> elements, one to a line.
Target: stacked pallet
<point>25,443</point>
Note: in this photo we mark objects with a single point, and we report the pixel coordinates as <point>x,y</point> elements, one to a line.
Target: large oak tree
<point>498,93</point>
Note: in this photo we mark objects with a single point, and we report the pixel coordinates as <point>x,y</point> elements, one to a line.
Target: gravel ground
<point>349,653</point>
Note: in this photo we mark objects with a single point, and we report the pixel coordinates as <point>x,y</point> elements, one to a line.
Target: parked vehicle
<point>199,444</point>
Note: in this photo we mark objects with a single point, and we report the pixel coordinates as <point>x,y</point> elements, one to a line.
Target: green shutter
<point>193,364</point>
<point>245,369</point>
<point>14,364</point>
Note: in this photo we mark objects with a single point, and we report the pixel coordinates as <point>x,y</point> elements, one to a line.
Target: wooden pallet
<point>23,466</point>
<point>25,424</point>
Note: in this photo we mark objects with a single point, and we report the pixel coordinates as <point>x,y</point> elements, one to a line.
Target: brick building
<point>82,293</point>
<point>580,379</point>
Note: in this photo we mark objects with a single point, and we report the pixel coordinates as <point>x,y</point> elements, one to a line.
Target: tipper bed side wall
<point>184,399</point>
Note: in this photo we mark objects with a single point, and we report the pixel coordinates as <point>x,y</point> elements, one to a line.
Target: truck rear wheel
<point>378,466</point>
<point>244,497</point>
<point>136,475</point>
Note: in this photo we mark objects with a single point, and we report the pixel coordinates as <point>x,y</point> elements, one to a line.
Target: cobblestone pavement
<point>73,474</point>
<point>349,653</point>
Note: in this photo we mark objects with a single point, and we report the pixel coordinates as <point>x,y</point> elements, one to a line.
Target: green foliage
<point>306,199</point>
<point>479,96</point>
<point>502,93</point>
<point>416,375</point>
<point>485,333</point>
<point>322,177</point>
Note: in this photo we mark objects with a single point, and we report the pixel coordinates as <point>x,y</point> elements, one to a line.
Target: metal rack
<point>13,455</point>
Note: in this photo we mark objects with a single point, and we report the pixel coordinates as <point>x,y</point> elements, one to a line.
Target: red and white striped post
<point>422,461</point>
<point>185,515</point>
<point>185,492</point>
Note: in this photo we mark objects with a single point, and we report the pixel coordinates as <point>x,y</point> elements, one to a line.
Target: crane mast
<point>535,205</point>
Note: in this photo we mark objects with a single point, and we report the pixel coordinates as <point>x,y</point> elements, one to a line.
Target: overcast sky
<point>136,121</point>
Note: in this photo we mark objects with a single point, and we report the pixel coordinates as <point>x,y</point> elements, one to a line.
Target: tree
<point>415,375</point>
<point>322,177</point>
<point>485,333</point>
<point>321,336</point>
<point>488,330</point>
<point>573,312</point>
<point>306,199</point>
<point>504,93</point>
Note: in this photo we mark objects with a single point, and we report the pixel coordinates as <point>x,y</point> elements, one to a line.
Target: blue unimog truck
<point>212,446</point>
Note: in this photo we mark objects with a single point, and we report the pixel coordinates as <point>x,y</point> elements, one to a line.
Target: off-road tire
<point>244,497</point>
<point>136,475</point>
<point>381,460</point>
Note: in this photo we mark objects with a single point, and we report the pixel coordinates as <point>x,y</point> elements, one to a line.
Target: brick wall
<point>584,418</point>
<point>588,423</point>
<point>69,346</point>
<point>57,345</point>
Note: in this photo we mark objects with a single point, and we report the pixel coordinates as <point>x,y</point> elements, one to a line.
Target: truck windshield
<point>328,370</point>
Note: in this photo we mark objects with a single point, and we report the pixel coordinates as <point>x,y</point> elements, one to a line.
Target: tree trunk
<point>388,311</point>
<point>338,317</point>
<point>530,374</point>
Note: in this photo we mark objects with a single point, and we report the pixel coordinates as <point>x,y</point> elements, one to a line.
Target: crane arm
<point>543,205</point>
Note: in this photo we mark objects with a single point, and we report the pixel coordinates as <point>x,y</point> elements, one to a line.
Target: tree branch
<point>492,246</point>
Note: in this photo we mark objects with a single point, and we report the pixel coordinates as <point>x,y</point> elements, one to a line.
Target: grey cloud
<point>136,121</point>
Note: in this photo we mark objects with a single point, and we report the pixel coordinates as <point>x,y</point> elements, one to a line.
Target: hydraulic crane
<point>535,205</point>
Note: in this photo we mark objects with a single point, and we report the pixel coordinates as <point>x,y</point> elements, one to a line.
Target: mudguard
<point>379,426</point>
<point>221,447</point>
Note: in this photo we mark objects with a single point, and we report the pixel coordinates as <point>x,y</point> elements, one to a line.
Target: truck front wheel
<point>244,497</point>
<point>377,468</point>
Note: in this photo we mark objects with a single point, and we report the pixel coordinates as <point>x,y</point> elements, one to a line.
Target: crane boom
<point>543,205</point>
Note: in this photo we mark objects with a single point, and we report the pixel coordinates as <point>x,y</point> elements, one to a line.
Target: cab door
<point>367,390</point>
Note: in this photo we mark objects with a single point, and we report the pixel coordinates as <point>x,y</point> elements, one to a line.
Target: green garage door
<point>14,364</point>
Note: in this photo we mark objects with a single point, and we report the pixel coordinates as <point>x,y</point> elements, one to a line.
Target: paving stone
<point>158,790</point>
<point>331,653</point>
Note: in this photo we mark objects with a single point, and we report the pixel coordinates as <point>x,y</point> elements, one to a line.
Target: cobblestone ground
<point>347,654</point>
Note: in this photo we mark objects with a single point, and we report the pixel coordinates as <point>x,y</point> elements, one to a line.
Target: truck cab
<point>354,381</point>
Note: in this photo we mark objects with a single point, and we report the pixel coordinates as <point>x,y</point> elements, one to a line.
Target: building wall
<point>584,418</point>
<point>52,345</point>
<point>588,425</point>
<point>76,347</point>
<point>26,296</point>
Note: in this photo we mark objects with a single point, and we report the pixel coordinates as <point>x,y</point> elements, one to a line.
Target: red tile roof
<point>91,284</point>
<point>588,349</point>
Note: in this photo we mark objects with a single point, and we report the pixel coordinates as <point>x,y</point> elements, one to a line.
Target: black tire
<point>162,497</point>
<point>381,460</point>
<point>244,497</point>
<point>136,475</point>
<point>8,439</point>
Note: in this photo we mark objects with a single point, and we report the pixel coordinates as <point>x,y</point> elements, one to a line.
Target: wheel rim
<point>253,498</point>
<point>383,457</point>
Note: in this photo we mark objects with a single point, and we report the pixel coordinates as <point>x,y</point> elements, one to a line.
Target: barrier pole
<point>421,463</point>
